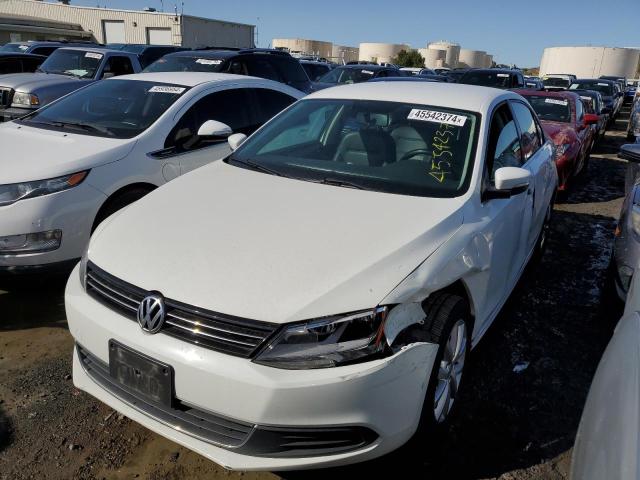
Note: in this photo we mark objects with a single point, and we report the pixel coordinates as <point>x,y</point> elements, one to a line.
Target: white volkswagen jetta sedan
<point>312,299</point>
<point>69,165</point>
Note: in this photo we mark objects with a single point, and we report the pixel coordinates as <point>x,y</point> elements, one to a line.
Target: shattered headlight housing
<point>327,342</point>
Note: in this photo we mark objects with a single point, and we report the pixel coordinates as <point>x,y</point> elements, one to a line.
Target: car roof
<point>97,49</point>
<point>363,67</point>
<point>546,93</point>
<point>315,62</point>
<point>490,70</point>
<point>452,95</point>
<point>20,55</point>
<point>189,79</point>
<point>594,80</point>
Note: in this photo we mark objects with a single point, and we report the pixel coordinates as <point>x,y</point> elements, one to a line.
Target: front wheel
<point>449,323</point>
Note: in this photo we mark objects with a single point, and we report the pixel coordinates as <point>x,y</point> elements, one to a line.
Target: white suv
<point>311,300</point>
<point>69,165</point>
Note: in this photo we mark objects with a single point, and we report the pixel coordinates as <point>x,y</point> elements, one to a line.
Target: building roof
<point>452,95</point>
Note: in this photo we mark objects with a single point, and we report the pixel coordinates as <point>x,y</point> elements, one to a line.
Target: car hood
<point>30,153</point>
<point>30,82</point>
<point>270,248</point>
<point>560,132</point>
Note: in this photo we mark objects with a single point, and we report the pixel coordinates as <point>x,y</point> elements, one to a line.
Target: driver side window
<point>228,106</point>
<point>504,145</point>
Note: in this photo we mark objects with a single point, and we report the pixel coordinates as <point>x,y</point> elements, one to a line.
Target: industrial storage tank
<point>433,58</point>
<point>472,58</point>
<point>590,62</point>
<point>452,52</point>
<point>381,52</point>
<point>304,46</point>
<point>342,53</point>
<point>488,61</point>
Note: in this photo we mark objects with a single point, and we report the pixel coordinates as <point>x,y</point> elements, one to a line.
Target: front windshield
<point>185,64</point>
<point>347,75</point>
<point>551,109</point>
<point>487,79</point>
<point>14,47</point>
<point>604,88</point>
<point>556,82</point>
<point>390,147</point>
<point>110,108</point>
<point>76,63</point>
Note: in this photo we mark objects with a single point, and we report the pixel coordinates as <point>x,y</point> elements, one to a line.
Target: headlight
<point>25,99</point>
<point>83,269</point>
<point>328,342</point>
<point>562,149</point>
<point>19,191</point>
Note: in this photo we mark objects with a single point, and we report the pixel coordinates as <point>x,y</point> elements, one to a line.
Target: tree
<point>411,58</point>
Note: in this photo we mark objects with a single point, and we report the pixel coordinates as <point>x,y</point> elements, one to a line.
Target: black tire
<point>543,236</point>
<point>117,203</point>
<point>611,303</point>
<point>443,311</point>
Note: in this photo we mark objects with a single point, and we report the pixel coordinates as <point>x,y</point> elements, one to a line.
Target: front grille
<point>192,421</point>
<point>5,97</point>
<point>223,333</point>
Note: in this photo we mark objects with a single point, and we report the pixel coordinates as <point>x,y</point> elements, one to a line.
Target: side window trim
<point>487,153</point>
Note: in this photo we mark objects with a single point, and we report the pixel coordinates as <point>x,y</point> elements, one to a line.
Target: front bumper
<point>71,211</point>
<point>382,396</point>
<point>8,114</point>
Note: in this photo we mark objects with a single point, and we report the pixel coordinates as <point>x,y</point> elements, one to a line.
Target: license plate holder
<point>142,375</point>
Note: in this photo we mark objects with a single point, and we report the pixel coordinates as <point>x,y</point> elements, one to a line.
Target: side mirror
<point>508,181</point>
<point>236,140</point>
<point>514,180</point>
<point>106,75</point>
<point>213,128</point>
<point>630,152</point>
<point>591,119</point>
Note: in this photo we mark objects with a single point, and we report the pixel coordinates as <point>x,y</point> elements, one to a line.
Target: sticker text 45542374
<point>437,117</point>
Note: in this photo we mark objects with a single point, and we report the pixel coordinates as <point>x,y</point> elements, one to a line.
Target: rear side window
<point>46,51</point>
<point>271,103</point>
<point>10,66</point>
<point>529,138</point>
<point>290,69</point>
<point>261,67</point>
<point>579,112</point>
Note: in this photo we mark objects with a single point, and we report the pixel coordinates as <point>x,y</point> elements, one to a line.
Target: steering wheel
<point>414,153</point>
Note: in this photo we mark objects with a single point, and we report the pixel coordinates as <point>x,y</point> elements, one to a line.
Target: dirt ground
<point>509,424</point>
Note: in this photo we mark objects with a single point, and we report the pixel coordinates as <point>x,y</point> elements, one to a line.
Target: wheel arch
<point>109,201</point>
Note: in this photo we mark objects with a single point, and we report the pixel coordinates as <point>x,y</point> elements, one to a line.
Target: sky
<point>514,32</point>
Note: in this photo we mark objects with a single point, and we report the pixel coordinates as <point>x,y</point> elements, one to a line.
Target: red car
<point>565,120</point>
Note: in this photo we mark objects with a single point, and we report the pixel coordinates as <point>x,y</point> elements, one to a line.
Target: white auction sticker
<point>603,84</point>
<point>503,74</point>
<point>368,72</point>
<point>97,56</point>
<point>207,61</point>
<point>437,117</point>
<point>162,89</point>
<point>555,101</point>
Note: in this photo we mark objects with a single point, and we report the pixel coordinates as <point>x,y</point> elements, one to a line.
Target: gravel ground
<point>519,411</point>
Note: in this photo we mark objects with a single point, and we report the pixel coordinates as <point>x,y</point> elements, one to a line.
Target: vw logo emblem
<point>151,313</point>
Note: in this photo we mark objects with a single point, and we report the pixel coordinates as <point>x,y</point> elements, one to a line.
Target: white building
<point>591,62</point>
<point>38,21</point>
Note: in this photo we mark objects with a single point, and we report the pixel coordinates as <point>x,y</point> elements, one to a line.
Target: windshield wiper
<point>82,126</point>
<point>257,167</point>
<point>341,183</point>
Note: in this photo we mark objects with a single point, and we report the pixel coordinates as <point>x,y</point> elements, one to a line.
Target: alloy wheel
<point>450,371</point>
